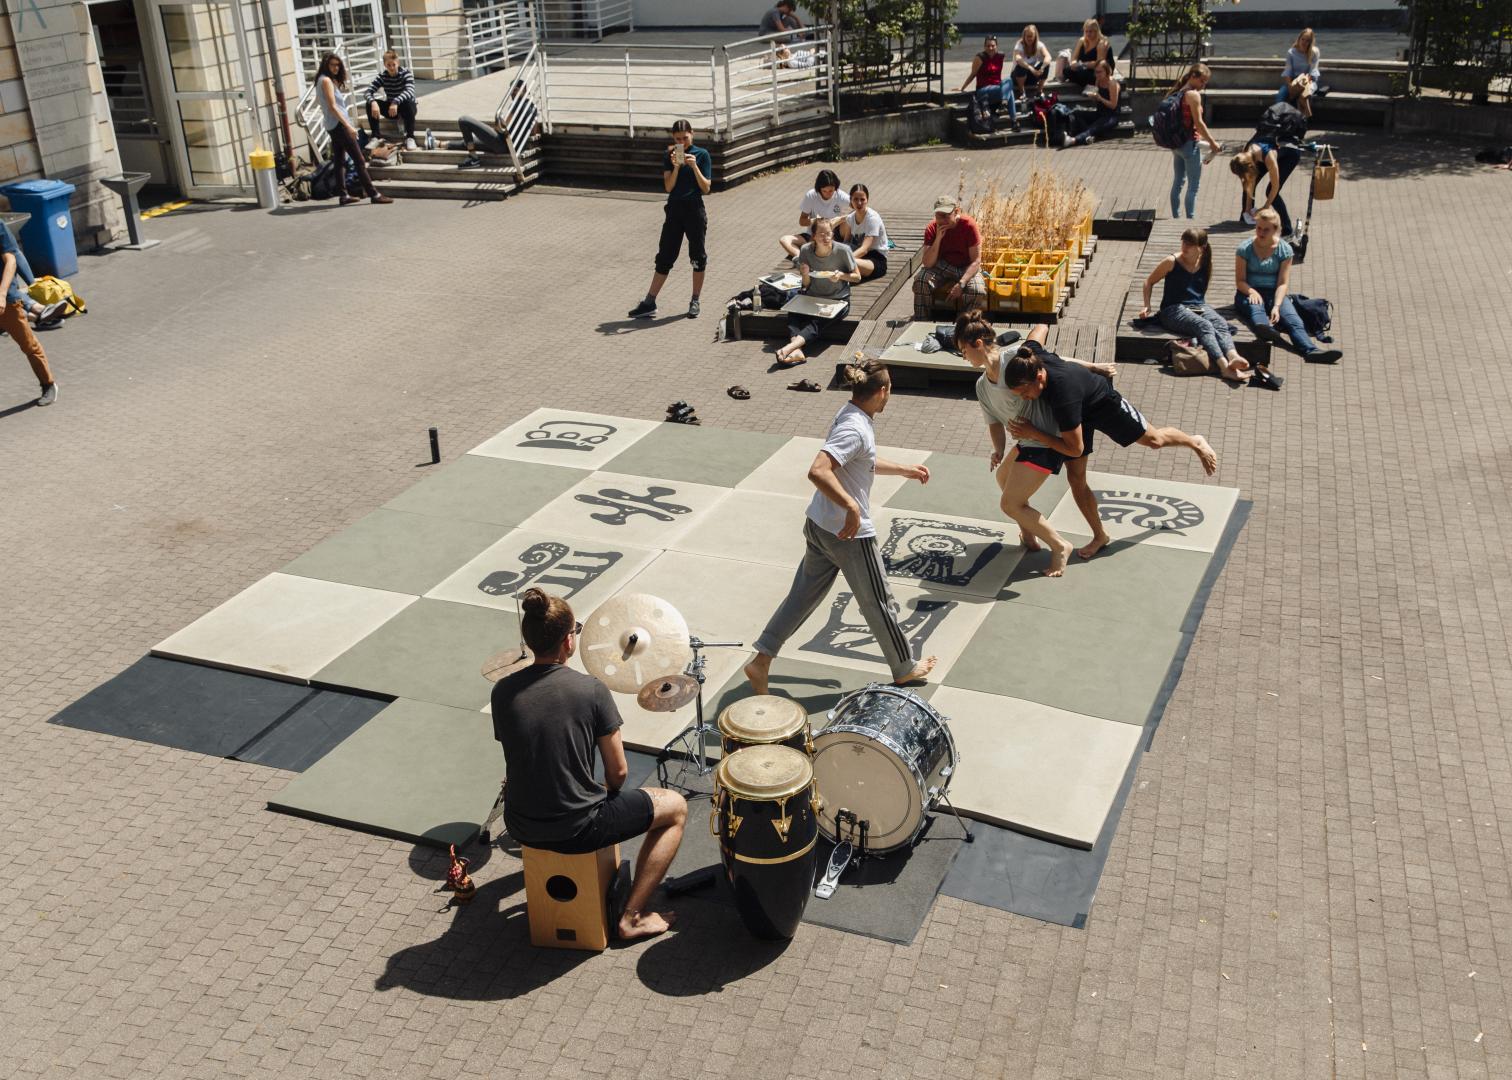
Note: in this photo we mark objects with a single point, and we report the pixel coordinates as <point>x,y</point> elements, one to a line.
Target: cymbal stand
<point>692,742</point>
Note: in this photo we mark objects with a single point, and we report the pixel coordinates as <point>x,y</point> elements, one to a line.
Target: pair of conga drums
<point>766,812</point>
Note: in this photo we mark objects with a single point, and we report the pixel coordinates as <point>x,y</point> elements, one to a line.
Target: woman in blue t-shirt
<point>1184,308</point>
<point>1262,269</point>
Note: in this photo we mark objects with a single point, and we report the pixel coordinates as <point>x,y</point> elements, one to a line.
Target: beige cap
<point>945,204</point>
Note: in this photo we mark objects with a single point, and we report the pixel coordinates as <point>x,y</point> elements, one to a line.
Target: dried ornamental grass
<point>1044,216</point>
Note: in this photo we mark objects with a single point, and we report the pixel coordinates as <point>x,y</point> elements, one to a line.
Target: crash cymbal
<point>667,694</point>
<point>507,662</point>
<point>631,639</point>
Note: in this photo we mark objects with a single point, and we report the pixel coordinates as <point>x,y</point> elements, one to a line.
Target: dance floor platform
<point>1048,684</point>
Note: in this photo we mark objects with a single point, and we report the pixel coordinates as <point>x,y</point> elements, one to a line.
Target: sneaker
<point>1323,356</point>
<point>1247,217</point>
<point>1067,141</point>
<point>52,313</point>
<point>49,394</point>
<point>1268,333</point>
<point>1090,139</point>
<point>646,309</point>
<point>372,144</point>
<point>345,200</point>
<point>381,200</point>
<point>409,142</point>
<point>473,162</point>
<point>693,308</point>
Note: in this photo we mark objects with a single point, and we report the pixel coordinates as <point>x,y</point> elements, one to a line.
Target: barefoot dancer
<point>840,535</point>
<point>1021,470</point>
<point>549,719</point>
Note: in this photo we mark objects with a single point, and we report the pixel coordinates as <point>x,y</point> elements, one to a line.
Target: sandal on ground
<point>739,393</point>
<point>1266,381</point>
<point>806,385</point>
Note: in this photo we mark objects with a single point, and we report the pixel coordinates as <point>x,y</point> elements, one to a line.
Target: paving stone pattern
<point>1310,878</point>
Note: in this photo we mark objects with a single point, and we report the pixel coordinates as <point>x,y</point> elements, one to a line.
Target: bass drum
<point>886,756</point>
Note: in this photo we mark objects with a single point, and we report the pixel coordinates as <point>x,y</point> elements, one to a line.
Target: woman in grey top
<point>829,270</point>
<point>330,83</point>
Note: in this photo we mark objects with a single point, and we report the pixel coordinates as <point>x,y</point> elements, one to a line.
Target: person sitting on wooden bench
<point>549,719</point>
<point>952,256</point>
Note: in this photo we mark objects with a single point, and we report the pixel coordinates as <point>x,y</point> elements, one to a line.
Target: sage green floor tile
<point>400,552</point>
<point>817,687</point>
<point>698,455</point>
<point>432,651</point>
<point>419,771</point>
<point>494,490</point>
<point>1109,668</point>
<point>1154,585</point>
<point>964,487</point>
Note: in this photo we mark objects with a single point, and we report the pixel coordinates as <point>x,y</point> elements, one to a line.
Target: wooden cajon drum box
<point>567,897</point>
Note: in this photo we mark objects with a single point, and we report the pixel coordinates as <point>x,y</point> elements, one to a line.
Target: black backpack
<point>1282,123</point>
<point>979,120</point>
<point>1316,314</point>
<point>1170,131</point>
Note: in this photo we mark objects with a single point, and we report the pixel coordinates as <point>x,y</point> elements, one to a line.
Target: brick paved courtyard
<point>1311,878</point>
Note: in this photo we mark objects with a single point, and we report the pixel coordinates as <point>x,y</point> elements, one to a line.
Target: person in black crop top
<point>1078,64</point>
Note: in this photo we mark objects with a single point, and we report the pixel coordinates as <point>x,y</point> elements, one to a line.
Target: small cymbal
<point>631,638</point>
<point>668,694</point>
<point>507,662</point>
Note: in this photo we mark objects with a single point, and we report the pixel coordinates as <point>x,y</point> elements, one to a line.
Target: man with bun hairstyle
<point>840,536</point>
<point>549,720</point>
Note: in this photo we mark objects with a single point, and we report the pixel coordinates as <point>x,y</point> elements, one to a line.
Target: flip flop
<point>806,385</point>
<point>1266,381</point>
<point>739,393</point>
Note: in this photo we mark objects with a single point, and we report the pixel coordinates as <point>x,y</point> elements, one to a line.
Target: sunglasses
<point>577,628</point>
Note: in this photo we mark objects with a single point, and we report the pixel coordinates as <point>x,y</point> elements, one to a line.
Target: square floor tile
<point>720,599</point>
<point>285,626</point>
<point>1108,668</point>
<point>947,554</point>
<point>1032,767</point>
<point>751,526</point>
<point>786,471</point>
<point>620,509</point>
<point>698,455</point>
<point>389,549</point>
<point>417,770</point>
<point>1154,585</point>
<point>965,487</point>
<point>433,651</point>
<point>487,489</point>
<point>1166,513</point>
<point>580,440</point>
<point>585,573</point>
<point>935,623</point>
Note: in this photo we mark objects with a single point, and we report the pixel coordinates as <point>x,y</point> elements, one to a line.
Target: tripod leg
<point>970,839</point>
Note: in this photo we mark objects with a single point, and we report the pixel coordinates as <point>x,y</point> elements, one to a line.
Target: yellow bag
<point>1325,175</point>
<point>49,290</point>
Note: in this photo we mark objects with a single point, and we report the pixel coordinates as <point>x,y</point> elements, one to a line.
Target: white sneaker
<point>1247,217</point>
<point>409,143</point>
<point>373,143</point>
<point>49,395</point>
<point>1067,140</point>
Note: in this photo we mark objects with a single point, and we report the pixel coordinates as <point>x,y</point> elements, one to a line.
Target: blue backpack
<point>1170,131</point>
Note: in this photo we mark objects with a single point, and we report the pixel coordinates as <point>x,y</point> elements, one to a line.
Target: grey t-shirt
<point>839,258</point>
<point>775,20</point>
<point>549,719</point>
<point>852,442</point>
<point>1002,406</point>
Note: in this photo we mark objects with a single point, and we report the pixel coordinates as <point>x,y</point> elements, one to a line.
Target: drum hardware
<point>692,743</point>
<point>485,834</point>
<point>696,879</point>
<point>853,846</point>
<point>508,661</point>
<point>939,793</point>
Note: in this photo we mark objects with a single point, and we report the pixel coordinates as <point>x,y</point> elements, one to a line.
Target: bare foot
<point>1234,373</point>
<point>920,673</point>
<point>1205,454</point>
<point>792,359</point>
<point>1028,543</point>
<point>1097,544</point>
<point>756,672</point>
<point>1058,559</point>
<point>635,925</point>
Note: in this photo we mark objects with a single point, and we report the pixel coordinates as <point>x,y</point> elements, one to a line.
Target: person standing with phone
<point>686,176</point>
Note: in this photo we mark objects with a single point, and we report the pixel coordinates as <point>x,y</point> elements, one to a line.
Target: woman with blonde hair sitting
<point>1078,64</point>
<point>1299,79</point>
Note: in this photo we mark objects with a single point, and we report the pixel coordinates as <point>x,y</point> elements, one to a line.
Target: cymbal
<point>507,662</point>
<point>633,638</point>
<point>668,694</point>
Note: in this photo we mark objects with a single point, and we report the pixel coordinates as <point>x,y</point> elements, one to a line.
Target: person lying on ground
<point>1184,309</point>
<point>782,16</point>
<point>520,122</point>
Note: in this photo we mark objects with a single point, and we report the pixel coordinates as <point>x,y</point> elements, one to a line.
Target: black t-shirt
<point>1069,388</point>
<point>549,719</point>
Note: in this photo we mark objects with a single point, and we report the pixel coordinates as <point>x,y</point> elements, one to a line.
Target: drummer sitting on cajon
<point>548,718</point>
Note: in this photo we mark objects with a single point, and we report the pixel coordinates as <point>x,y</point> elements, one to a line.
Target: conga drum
<point>766,815</point>
<point>765,720</point>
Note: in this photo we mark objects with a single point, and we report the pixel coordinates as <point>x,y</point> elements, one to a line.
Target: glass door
<point>211,109</point>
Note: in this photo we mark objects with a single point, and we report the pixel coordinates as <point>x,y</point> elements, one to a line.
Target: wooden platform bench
<point>914,369</point>
<point>1360,91</point>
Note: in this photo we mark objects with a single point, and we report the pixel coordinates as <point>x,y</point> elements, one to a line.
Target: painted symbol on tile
<point>837,637</point>
<point>626,505</point>
<point>554,564</point>
<point>584,435</point>
<point>1148,511</point>
<point>935,551</point>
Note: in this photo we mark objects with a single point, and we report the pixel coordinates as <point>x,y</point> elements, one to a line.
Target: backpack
<point>1494,155</point>
<point>771,296</point>
<point>1282,123</point>
<point>1058,123</point>
<point>1316,314</point>
<point>1167,124</point>
<point>979,119</point>
<point>49,290</point>
<point>322,182</point>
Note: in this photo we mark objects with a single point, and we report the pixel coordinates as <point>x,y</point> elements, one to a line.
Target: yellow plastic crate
<point>1038,292</point>
<point>1003,287</point>
<point>1056,264</point>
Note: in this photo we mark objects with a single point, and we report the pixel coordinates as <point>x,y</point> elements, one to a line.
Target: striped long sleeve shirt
<point>397,87</point>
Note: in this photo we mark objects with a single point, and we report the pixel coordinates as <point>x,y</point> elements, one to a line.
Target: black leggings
<point>405,119</point>
<point>684,217</point>
<point>1287,158</point>
<point>808,327</point>
<point>344,143</point>
<point>475,133</point>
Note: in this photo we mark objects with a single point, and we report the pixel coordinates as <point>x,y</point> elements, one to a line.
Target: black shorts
<point>1115,418</point>
<point>623,815</point>
<point>1042,458</point>
<point>879,264</point>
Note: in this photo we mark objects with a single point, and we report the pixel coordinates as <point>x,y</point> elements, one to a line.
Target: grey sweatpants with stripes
<point>861,563</point>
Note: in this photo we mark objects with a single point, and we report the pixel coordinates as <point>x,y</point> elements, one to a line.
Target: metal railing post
<point>713,92</point>
<point>629,108</point>
<point>545,97</point>
<point>729,97</point>
<point>829,69</point>
<point>774,84</point>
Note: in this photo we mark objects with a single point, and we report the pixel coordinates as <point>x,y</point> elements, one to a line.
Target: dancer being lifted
<point>840,535</point>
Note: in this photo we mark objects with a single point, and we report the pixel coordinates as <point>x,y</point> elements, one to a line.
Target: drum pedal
<point>839,859</point>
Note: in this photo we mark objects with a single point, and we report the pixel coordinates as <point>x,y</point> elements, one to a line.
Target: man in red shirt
<point>953,260</point>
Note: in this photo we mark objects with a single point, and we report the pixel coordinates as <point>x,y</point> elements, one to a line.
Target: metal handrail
<point>361,52</point>
<point>514,120</point>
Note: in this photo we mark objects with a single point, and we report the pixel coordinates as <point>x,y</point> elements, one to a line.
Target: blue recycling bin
<point>48,237</point>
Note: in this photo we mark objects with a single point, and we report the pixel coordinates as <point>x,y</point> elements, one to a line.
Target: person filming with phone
<point>686,175</point>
